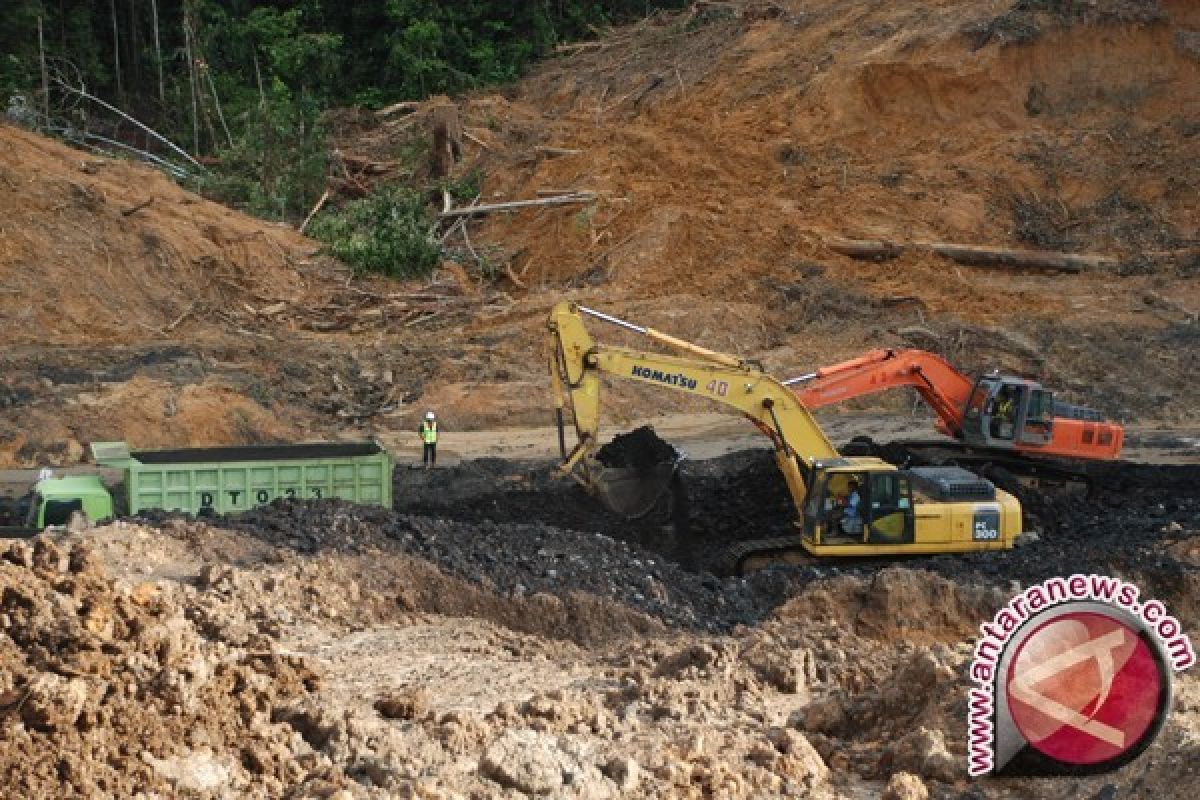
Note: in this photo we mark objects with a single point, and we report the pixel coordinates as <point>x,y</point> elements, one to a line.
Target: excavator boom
<point>771,406</point>
<point>944,388</point>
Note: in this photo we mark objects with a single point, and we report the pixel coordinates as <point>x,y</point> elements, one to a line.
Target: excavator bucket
<point>634,471</point>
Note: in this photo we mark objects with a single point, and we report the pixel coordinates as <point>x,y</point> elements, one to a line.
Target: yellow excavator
<point>844,506</point>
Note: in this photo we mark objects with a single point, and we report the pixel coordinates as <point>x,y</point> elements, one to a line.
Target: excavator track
<point>755,554</point>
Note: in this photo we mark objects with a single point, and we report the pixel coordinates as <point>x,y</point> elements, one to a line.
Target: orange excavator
<point>998,419</point>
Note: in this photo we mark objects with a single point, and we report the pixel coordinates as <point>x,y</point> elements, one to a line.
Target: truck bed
<point>264,452</point>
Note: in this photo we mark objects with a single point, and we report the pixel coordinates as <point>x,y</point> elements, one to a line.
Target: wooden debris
<point>577,46</point>
<point>408,106</point>
<point>315,209</point>
<point>476,140</point>
<point>365,165</point>
<point>487,208</point>
<point>508,270</point>
<point>1157,300</point>
<point>654,83</point>
<point>179,320</point>
<point>972,255</point>
<point>554,152</point>
<point>129,212</point>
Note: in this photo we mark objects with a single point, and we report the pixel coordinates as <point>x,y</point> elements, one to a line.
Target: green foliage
<point>387,232</point>
<point>465,188</point>
<point>276,167</point>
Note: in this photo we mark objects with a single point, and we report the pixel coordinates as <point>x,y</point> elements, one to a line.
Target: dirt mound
<point>172,266</point>
<point>129,696</point>
<point>506,655</point>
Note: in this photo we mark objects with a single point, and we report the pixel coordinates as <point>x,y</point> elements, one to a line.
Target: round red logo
<point>1085,688</point>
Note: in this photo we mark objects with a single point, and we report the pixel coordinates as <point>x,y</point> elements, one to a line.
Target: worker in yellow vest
<point>428,431</point>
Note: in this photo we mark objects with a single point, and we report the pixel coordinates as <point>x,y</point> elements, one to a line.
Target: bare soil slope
<point>729,142</point>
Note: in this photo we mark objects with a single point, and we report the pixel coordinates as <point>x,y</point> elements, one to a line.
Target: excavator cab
<point>1005,412</point>
<point>884,513</point>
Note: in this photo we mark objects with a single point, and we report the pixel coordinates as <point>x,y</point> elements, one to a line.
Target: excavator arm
<point>578,364</point>
<point>944,388</point>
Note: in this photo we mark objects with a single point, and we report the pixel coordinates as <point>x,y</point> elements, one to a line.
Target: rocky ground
<point>499,636</point>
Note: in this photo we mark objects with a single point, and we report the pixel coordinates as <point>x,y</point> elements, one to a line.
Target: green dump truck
<point>211,480</point>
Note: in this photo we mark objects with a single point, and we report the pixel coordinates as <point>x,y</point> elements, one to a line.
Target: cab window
<point>1040,404</point>
<point>885,492</point>
<point>838,489</point>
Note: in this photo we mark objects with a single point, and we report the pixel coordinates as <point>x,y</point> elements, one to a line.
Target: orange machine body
<point>965,408</point>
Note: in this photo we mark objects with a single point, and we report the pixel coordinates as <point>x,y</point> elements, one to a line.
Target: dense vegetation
<point>240,87</point>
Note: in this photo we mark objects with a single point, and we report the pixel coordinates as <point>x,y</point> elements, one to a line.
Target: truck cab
<point>55,499</point>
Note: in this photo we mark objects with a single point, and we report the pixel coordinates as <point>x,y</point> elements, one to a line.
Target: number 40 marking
<point>719,388</point>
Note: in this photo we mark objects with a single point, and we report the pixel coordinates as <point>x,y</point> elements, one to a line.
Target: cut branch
<point>320,204</point>
<point>396,108</point>
<point>80,136</point>
<point>556,151</point>
<point>476,140</point>
<point>87,96</point>
<point>487,208</point>
<point>129,212</point>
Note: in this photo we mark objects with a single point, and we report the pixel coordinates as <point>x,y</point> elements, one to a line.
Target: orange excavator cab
<point>1005,412</point>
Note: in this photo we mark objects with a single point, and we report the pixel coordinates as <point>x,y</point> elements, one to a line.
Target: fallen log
<point>514,205</point>
<point>972,255</point>
<point>866,249</point>
<point>1032,259</point>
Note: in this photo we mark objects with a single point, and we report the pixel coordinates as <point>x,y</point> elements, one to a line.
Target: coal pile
<point>639,449</point>
<point>520,559</point>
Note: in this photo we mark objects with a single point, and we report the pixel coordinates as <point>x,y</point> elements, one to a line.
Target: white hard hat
<point>430,415</point>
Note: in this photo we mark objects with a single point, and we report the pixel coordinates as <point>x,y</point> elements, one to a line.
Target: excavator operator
<point>1005,417</point>
<point>851,521</point>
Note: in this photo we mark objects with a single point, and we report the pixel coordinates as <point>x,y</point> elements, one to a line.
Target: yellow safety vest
<point>429,433</point>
